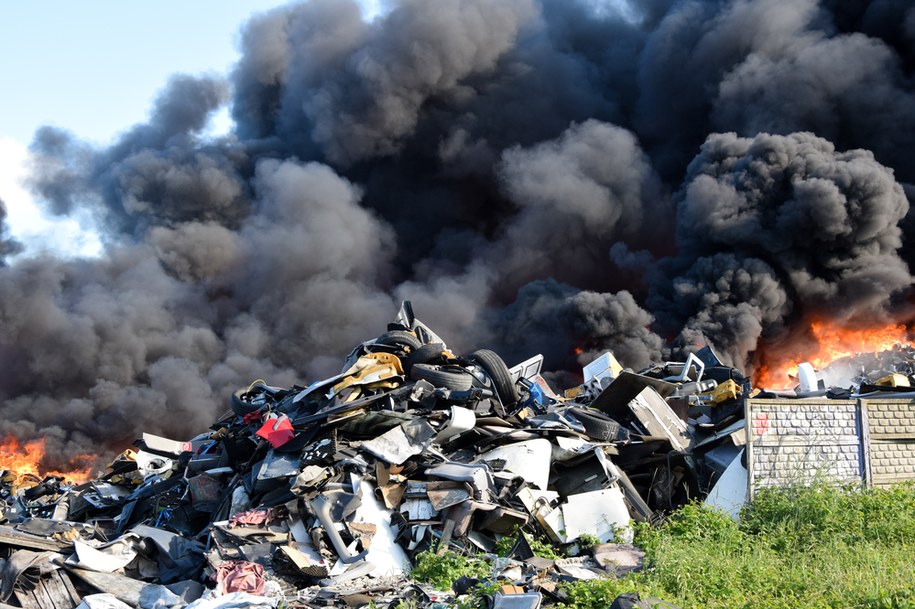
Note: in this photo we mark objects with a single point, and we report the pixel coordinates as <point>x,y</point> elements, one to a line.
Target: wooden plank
<point>27,598</point>
<point>54,591</point>
<point>60,589</point>
<point>122,587</point>
<point>12,537</point>
<point>68,585</point>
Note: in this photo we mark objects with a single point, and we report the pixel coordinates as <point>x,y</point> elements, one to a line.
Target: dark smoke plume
<point>535,175</point>
<point>8,245</point>
<point>779,225</point>
<point>555,319</point>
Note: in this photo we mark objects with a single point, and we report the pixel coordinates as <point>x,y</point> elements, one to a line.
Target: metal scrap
<point>324,494</point>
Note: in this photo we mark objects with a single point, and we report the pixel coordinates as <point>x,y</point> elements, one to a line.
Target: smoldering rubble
<point>312,496</point>
<point>328,494</point>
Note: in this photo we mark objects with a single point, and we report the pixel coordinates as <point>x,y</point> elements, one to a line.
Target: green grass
<point>817,548</point>
<point>441,570</point>
<point>797,548</point>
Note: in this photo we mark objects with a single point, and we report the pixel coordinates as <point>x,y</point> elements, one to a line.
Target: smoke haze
<point>534,175</point>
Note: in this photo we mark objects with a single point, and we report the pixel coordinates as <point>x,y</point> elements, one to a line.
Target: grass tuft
<point>805,547</point>
<point>817,548</point>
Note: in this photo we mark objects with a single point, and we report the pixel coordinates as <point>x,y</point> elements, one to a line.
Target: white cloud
<point>28,224</point>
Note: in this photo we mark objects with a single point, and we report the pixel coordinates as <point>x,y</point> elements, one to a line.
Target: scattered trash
<point>325,495</point>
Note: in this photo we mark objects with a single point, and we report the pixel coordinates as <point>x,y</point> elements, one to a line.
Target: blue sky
<point>94,68</point>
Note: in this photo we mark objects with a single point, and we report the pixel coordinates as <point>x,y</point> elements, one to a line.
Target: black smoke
<point>553,176</point>
<point>8,245</point>
<point>775,228</point>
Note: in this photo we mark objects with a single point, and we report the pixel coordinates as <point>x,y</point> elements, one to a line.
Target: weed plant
<point>792,548</point>
<point>441,570</point>
<point>818,548</point>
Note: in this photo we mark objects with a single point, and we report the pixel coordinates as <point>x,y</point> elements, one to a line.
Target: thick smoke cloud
<point>8,245</point>
<point>93,347</point>
<point>535,175</point>
<point>555,319</point>
<point>356,92</point>
<point>724,301</point>
<point>776,66</point>
<point>777,224</point>
<point>156,173</point>
<point>576,196</point>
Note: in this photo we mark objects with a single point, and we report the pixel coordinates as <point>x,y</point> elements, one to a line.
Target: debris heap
<point>328,494</point>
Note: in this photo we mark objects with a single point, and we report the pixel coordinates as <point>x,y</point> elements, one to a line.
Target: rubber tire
<point>599,426</point>
<point>398,338</point>
<point>501,378</point>
<point>440,377</point>
<point>424,355</point>
<point>241,406</point>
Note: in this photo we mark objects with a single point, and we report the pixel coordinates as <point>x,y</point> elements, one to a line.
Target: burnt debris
<point>316,493</point>
<point>328,494</point>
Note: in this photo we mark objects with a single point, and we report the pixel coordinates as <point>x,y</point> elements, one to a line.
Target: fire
<point>23,460</point>
<point>829,343</point>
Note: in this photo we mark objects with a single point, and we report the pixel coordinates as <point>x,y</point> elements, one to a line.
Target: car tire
<point>501,378</point>
<point>397,338</point>
<point>599,426</point>
<point>444,378</point>
<point>426,354</point>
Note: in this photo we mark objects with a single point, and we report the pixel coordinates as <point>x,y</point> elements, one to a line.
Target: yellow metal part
<point>728,390</point>
<point>382,370</point>
<point>127,455</point>
<point>894,380</point>
<point>572,392</point>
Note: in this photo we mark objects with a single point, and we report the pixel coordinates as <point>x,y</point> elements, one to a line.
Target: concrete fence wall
<point>891,431</point>
<point>793,442</point>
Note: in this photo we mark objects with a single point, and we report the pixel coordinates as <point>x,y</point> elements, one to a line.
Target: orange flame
<point>829,343</point>
<point>23,460</point>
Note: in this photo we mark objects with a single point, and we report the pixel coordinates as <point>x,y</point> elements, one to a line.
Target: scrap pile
<point>327,494</point>
<point>872,374</point>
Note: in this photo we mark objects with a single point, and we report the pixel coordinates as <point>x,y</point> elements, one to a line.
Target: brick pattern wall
<point>800,442</point>
<point>892,440</point>
<point>891,418</point>
<point>798,465</point>
<point>892,461</point>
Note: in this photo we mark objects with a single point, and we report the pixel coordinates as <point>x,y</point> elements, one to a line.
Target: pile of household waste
<point>325,495</point>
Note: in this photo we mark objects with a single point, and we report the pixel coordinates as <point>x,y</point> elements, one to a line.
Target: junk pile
<point>883,374</point>
<point>327,494</point>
